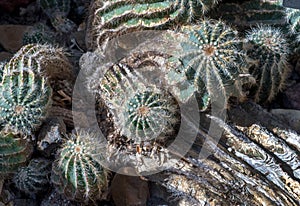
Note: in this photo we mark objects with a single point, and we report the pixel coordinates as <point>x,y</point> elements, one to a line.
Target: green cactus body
<point>293,18</point>
<point>15,151</point>
<point>142,110</point>
<point>212,58</point>
<point>250,13</point>
<point>77,172</point>
<point>24,99</point>
<point>57,11</point>
<point>114,18</point>
<point>34,178</point>
<point>269,50</point>
<point>40,34</point>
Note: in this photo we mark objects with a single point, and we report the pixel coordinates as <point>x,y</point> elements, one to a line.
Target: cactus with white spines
<point>268,51</point>
<point>15,151</point>
<point>212,58</point>
<point>293,19</point>
<point>77,172</point>
<point>33,178</point>
<point>113,18</point>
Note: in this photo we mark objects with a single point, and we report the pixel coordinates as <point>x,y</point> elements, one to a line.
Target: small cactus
<point>15,151</point>
<point>57,11</point>
<point>292,17</point>
<point>212,58</point>
<point>114,18</point>
<point>33,178</point>
<point>24,99</point>
<point>268,50</point>
<point>77,172</point>
<point>39,34</point>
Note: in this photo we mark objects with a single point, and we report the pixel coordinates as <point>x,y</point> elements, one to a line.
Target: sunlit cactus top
<point>77,172</point>
<point>212,56</point>
<point>269,50</point>
<point>114,18</point>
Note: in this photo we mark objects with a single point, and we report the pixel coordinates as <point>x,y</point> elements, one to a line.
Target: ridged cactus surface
<point>114,18</point>
<point>33,178</point>
<point>293,18</point>
<point>269,50</point>
<point>77,172</point>
<point>15,151</point>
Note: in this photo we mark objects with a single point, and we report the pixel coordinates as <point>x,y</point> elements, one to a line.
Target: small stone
<point>11,36</point>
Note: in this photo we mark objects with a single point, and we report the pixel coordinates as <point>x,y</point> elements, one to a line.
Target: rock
<point>292,100</point>
<point>9,6</point>
<point>5,56</point>
<point>290,116</point>
<point>129,190</point>
<point>11,36</point>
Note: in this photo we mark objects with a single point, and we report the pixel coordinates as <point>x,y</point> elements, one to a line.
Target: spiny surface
<point>269,50</point>
<point>114,18</point>
<point>77,172</point>
<point>15,151</point>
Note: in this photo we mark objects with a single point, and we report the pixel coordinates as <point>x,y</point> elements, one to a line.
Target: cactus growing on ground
<point>293,18</point>
<point>15,151</point>
<point>40,33</point>
<point>113,18</point>
<point>77,172</point>
<point>24,99</point>
<point>57,11</point>
<point>268,50</point>
<point>212,57</point>
<point>33,178</point>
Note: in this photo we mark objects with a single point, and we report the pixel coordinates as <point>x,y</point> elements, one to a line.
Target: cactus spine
<point>34,178</point>
<point>114,18</point>
<point>293,18</point>
<point>77,172</point>
<point>15,151</point>
<point>269,50</point>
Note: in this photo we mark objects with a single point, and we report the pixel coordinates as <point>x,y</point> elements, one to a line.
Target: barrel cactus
<point>77,172</point>
<point>15,151</point>
<point>113,18</point>
<point>212,58</point>
<point>40,33</point>
<point>33,178</point>
<point>292,17</point>
<point>268,50</point>
<point>24,99</point>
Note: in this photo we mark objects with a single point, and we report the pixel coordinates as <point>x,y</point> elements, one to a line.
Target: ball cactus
<point>57,11</point>
<point>15,151</point>
<point>40,34</point>
<point>33,178</point>
<point>77,172</point>
<point>269,50</point>
<point>113,18</point>
<point>24,99</point>
<point>293,18</point>
<point>212,57</point>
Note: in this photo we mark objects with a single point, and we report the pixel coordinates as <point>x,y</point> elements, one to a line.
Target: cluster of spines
<point>293,19</point>
<point>57,11</point>
<point>77,172</point>
<point>39,34</point>
<point>114,18</point>
<point>15,151</point>
<point>33,178</point>
<point>212,58</point>
<point>268,50</point>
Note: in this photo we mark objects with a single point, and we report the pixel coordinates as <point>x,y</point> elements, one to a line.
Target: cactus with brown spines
<point>268,50</point>
<point>33,178</point>
<point>77,172</point>
<point>109,19</point>
<point>15,151</point>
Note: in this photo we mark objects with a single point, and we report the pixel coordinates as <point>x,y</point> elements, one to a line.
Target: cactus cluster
<point>114,18</point>
<point>39,34</point>
<point>268,50</point>
<point>293,19</point>
<point>57,11</point>
<point>33,178</point>
<point>76,172</point>
<point>15,151</point>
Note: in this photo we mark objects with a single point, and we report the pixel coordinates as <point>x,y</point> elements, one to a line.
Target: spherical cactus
<point>15,151</point>
<point>57,11</point>
<point>77,172</point>
<point>113,18</point>
<point>292,17</point>
<point>40,34</point>
<point>269,50</point>
<point>33,178</point>
<point>24,99</point>
<point>212,57</point>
